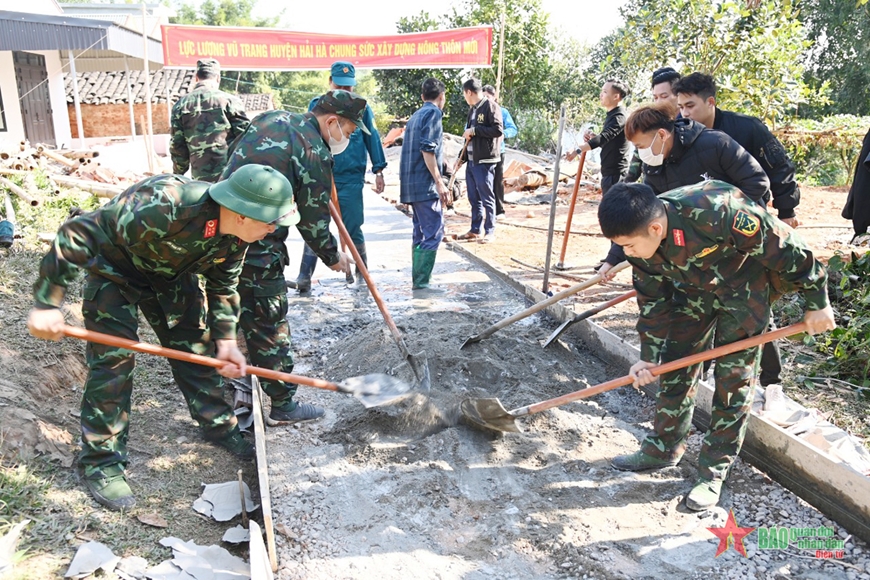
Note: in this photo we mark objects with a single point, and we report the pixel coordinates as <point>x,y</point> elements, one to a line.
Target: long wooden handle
<point>571,208</point>
<point>456,166</point>
<point>334,198</point>
<point>601,307</point>
<point>343,233</point>
<point>148,348</point>
<point>550,301</point>
<point>680,363</point>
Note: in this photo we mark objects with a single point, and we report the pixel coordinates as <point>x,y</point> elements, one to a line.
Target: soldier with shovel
<point>707,262</point>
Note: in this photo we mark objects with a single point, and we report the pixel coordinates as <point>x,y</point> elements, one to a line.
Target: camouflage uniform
<point>204,123</point>
<point>723,262</point>
<point>290,143</point>
<point>144,249</point>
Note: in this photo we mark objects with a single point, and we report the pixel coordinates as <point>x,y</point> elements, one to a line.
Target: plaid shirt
<point>423,132</point>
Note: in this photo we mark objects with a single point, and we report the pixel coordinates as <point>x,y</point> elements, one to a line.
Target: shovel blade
<point>558,332</point>
<point>489,414</point>
<point>470,340</point>
<point>420,365</point>
<point>376,390</point>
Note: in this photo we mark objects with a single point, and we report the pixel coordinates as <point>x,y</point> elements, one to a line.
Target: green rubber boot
<point>112,492</point>
<point>704,495</point>
<point>423,262</point>
<point>640,461</point>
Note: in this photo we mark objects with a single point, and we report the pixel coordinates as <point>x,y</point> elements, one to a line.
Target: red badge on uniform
<point>210,229</point>
<point>679,238</point>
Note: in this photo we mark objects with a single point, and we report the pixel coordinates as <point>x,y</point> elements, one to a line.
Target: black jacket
<point>699,154</point>
<point>754,136</point>
<point>488,130</point>
<point>614,145</point>
<point>858,203</point>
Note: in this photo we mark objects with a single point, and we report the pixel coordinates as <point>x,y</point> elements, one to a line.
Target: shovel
<point>591,312</point>
<point>418,363</point>
<point>541,305</point>
<point>372,390</point>
<point>491,414</point>
<point>456,167</point>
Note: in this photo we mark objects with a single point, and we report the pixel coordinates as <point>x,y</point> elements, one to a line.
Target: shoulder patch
<point>210,229</point>
<point>745,224</point>
<point>707,251</point>
<point>679,238</point>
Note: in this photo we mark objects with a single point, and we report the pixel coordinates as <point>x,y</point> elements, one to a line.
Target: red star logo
<point>732,532</point>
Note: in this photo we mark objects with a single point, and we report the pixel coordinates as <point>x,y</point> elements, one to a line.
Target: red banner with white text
<point>271,49</point>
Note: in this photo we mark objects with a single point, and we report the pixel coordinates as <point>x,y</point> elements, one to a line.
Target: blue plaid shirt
<point>423,132</point>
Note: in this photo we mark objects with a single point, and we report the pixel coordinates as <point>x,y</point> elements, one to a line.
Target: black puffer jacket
<point>699,154</point>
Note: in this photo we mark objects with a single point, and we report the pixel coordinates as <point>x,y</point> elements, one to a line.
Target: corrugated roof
<point>101,88</point>
<point>257,103</point>
<point>26,31</point>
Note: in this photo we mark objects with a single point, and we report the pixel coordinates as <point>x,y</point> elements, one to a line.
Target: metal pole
<point>130,99</point>
<point>556,175</point>
<point>76,100</point>
<point>500,54</point>
<point>149,130</point>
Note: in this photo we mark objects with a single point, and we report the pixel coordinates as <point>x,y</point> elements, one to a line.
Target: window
<point>2,115</point>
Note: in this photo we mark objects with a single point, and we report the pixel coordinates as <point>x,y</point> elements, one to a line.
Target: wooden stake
<point>242,496</point>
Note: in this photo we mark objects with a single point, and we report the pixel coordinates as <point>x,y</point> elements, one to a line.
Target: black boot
<point>361,248</point>
<point>306,269</point>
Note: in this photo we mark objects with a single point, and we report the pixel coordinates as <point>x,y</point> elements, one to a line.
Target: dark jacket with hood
<point>485,118</point>
<point>701,154</point>
<point>858,204</point>
<point>756,138</point>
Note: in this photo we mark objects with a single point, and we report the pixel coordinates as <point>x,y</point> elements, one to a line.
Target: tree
<point>754,54</point>
<point>527,53</point>
<point>840,54</point>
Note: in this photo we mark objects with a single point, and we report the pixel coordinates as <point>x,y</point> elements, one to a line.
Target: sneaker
<point>112,492</point>
<point>639,461</point>
<point>704,495</point>
<point>236,444</point>
<point>294,413</point>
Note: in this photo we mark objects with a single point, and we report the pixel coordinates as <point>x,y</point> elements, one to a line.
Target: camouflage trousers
<point>105,413</point>
<point>690,331</point>
<point>264,325</point>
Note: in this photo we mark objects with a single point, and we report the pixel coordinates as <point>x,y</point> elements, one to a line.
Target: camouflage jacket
<point>151,240</point>
<point>292,144</point>
<point>721,249</point>
<point>203,124</point>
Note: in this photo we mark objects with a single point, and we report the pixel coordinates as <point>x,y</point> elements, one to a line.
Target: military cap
<point>345,104</point>
<point>343,74</point>
<point>258,192</point>
<point>208,68</point>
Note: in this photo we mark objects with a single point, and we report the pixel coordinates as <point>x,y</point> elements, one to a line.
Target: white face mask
<point>647,156</point>
<point>337,146</point>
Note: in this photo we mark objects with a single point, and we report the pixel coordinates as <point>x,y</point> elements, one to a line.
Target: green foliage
<point>537,131</point>
<point>527,83</point>
<point>825,150</point>
<point>754,54</point>
<point>840,55</point>
<point>223,13</point>
<point>848,346</point>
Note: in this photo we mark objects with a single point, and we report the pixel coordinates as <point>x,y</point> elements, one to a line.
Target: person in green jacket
<point>144,251</point>
<point>708,262</point>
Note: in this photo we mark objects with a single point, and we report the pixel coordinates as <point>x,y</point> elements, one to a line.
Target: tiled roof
<point>257,103</point>
<point>100,88</point>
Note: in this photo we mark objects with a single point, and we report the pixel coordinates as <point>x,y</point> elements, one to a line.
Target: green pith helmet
<point>258,192</point>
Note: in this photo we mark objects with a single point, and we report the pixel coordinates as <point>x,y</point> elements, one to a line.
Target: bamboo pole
<point>19,192</point>
<point>44,150</point>
<point>546,284</point>
<point>98,189</point>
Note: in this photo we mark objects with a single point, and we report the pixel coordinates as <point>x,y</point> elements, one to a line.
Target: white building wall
<point>11,109</point>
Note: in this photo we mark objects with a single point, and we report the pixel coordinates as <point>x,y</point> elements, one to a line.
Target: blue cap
<point>343,74</point>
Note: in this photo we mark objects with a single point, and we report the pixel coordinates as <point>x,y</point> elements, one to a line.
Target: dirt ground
<point>406,491</point>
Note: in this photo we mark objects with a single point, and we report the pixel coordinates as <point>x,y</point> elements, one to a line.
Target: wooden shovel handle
<point>680,363</point>
<point>360,265</point>
<point>148,348</point>
<point>457,165</point>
